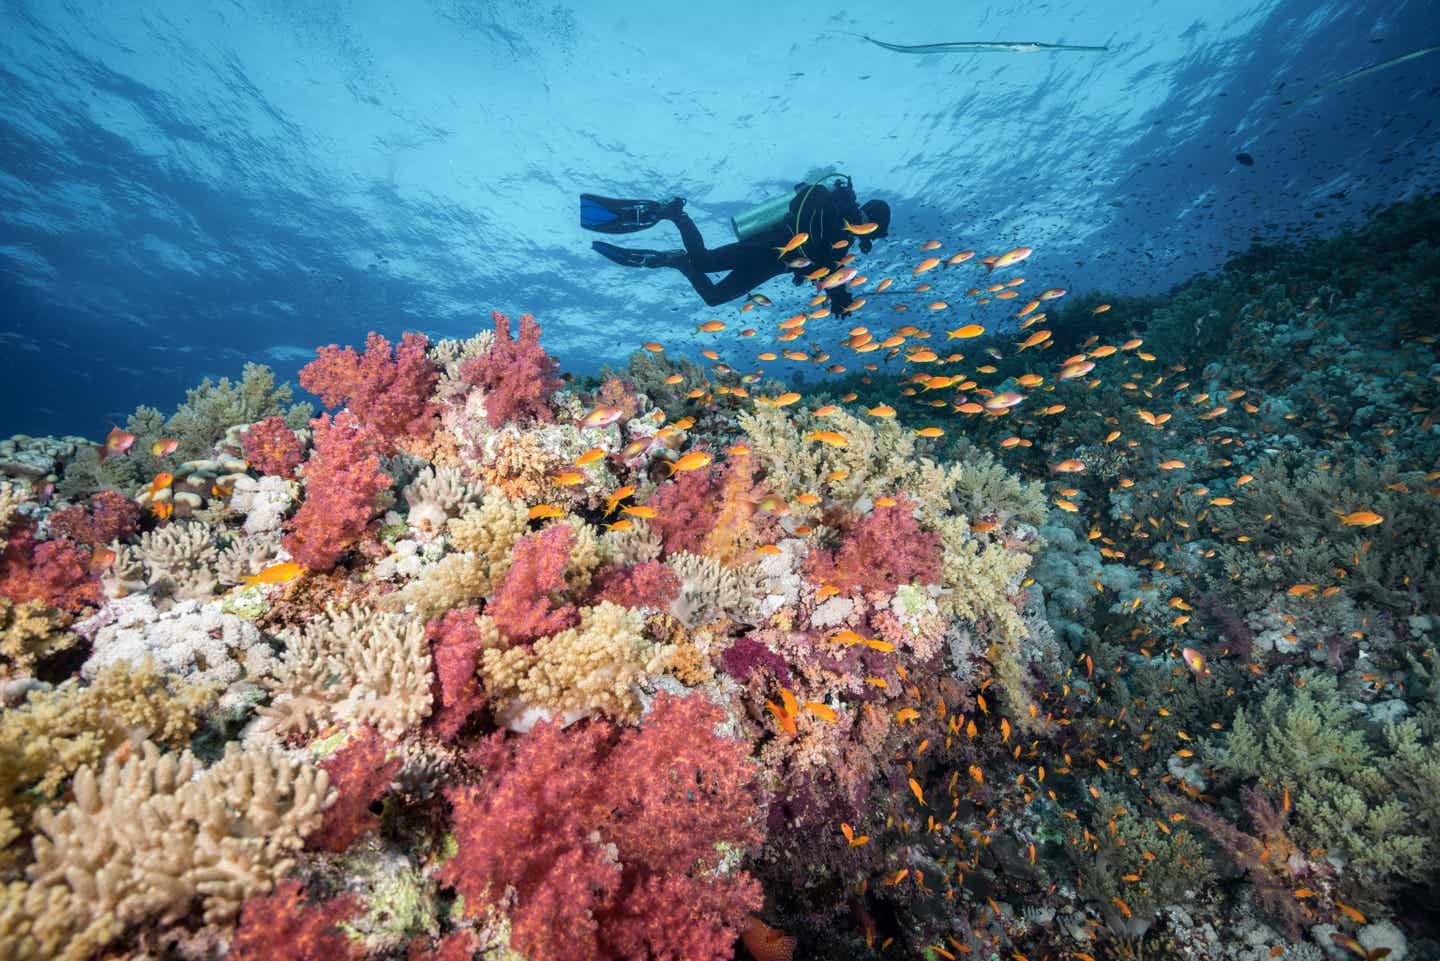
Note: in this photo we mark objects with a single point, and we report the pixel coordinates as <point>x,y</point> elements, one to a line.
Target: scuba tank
<point>764,216</point>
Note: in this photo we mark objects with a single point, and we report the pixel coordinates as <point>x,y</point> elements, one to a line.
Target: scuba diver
<point>761,233</point>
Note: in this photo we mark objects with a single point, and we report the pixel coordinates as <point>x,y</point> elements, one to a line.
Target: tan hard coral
<point>148,838</point>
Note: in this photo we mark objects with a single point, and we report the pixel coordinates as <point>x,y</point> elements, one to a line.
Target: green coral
<point>209,410</point>
<point>1373,808</point>
<point>1122,852</point>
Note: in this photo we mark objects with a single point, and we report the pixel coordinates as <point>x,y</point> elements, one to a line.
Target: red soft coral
<point>521,606</point>
<point>56,572</point>
<point>458,945</point>
<point>272,448</point>
<point>360,773</point>
<point>390,394</point>
<point>648,584</point>
<point>888,548</point>
<point>342,478</point>
<point>455,645</point>
<point>283,925</point>
<point>111,516</point>
<point>611,842</point>
<point>518,376</point>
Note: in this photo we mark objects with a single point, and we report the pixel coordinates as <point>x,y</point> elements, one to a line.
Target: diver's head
<point>876,212</point>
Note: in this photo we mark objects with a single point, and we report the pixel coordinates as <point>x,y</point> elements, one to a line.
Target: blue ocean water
<point>187,186</point>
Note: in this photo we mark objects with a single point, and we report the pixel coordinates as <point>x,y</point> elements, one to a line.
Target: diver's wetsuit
<point>752,262</point>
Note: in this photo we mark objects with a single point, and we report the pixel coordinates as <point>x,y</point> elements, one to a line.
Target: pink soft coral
<point>685,509</point>
<point>342,478</point>
<point>360,773</point>
<point>521,606</point>
<point>56,572</point>
<point>611,840</point>
<point>390,394</point>
<point>518,376</point>
<point>111,516</point>
<point>648,584</point>
<point>888,548</point>
<point>272,448</point>
<point>455,644</point>
<point>283,925</point>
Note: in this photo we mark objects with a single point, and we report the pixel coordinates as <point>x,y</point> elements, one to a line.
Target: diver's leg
<point>737,283</point>
<point>728,257</point>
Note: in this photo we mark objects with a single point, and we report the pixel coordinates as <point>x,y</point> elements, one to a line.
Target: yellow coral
<point>592,668</point>
<point>485,535</point>
<point>54,733</point>
<point>978,579</point>
<point>29,633</point>
<point>355,664</point>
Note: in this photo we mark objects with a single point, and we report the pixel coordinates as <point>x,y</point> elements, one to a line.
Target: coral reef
<point>1114,640</point>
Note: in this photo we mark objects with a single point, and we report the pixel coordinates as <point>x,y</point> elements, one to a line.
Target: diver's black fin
<point>629,257</point>
<point>607,215</point>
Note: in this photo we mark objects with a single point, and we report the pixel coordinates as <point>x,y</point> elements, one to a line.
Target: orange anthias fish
<point>1195,661</point>
<point>766,943</point>
<point>164,447</point>
<point>860,230</point>
<point>275,574</point>
<point>162,480</point>
<point>830,437</point>
<point>1009,259</point>
<point>694,460</point>
<point>795,241</point>
<point>602,416</point>
<point>118,442</point>
<point>540,511</point>
<point>1360,519</point>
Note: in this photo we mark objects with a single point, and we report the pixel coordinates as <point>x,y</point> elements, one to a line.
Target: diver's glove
<point>840,300</point>
<point>797,279</point>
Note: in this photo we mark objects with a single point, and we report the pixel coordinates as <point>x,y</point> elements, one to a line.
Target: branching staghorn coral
<point>435,496</point>
<point>710,591</point>
<point>1348,798</point>
<point>149,836</point>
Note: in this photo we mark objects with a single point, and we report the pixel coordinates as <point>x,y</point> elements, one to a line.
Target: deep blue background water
<point>188,185</point>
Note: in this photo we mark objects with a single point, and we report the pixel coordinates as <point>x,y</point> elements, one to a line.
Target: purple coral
<point>746,656</point>
<point>521,607</point>
<point>390,393</point>
<point>518,376</point>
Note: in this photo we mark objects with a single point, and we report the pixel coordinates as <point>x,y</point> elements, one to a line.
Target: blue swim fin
<point>607,215</point>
